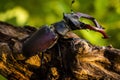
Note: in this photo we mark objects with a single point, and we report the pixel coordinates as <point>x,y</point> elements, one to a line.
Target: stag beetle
<point>47,36</point>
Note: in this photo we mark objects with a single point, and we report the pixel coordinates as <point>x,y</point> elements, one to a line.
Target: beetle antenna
<point>71,5</point>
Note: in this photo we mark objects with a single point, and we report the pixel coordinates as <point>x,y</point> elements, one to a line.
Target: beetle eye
<point>75,16</point>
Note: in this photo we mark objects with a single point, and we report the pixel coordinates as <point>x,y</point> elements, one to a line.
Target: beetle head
<point>72,21</point>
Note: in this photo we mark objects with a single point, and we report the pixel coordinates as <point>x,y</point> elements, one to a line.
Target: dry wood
<point>79,60</point>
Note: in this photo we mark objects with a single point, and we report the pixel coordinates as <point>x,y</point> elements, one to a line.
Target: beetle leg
<point>60,55</point>
<point>59,52</point>
<point>41,56</point>
<point>61,58</point>
<point>90,18</point>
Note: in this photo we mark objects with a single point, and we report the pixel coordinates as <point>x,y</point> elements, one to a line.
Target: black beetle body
<point>41,40</point>
<point>46,36</point>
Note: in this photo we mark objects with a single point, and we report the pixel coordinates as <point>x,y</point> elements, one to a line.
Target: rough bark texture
<point>79,60</point>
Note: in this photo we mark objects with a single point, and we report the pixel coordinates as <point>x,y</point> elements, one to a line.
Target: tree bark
<point>74,59</point>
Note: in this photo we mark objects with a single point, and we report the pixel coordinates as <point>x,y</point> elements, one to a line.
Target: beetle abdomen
<point>41,40</point>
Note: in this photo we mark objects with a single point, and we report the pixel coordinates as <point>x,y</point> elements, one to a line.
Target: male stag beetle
<point>47,36</point>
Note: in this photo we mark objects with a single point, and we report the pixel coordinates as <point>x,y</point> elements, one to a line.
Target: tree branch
<point>78,60</point>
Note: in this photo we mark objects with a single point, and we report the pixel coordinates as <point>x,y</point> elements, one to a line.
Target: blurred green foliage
<point>40,12</point>
<point>2,78</point>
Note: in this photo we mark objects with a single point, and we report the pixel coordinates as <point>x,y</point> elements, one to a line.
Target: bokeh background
<point>39,12</point>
